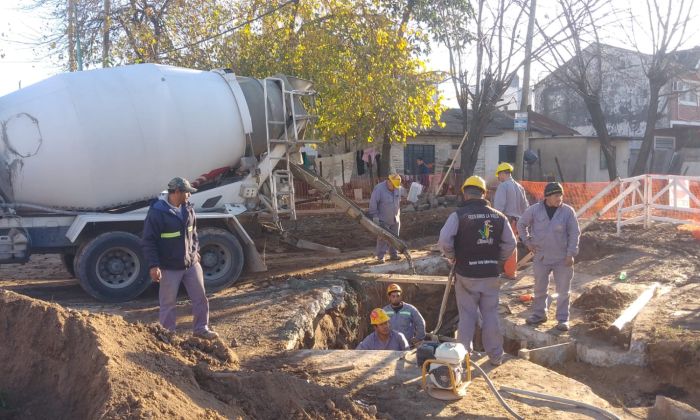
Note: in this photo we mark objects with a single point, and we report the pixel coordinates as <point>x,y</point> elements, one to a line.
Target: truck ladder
<point>282,181</point>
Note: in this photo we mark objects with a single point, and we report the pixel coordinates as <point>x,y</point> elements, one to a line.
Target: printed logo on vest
<point>485,233</point>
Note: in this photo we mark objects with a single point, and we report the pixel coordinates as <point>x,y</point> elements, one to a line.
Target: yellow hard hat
<point>474,181</point>
<point>395,180</point>
<point>393,287</point>
<point>504,166</point>
<point>378,316</point>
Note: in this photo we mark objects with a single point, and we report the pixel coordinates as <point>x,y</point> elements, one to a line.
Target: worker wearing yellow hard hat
<point>475,181</point>
<point>404,317</point>
<point>385,211</point>
<point>504,166</point>
<point>383,337</point>
<point>478,238</point>
<point>510,200</point>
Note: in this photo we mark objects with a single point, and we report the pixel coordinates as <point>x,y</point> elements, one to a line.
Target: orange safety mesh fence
<point>578,194</point>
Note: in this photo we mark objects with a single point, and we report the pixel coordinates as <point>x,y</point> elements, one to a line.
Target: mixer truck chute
<point>83,154</point>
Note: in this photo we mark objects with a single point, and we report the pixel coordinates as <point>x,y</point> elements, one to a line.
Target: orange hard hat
<point>393,287</point>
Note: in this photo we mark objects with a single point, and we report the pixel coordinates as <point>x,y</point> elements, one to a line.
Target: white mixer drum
<point>108,137</point>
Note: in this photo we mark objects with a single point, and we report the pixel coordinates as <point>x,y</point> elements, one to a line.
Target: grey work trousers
<point>382,245</point>
<point>562,280</point>
<point>474,295</point>
<point>193,279</point>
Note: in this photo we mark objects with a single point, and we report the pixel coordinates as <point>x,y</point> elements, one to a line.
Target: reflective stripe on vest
<point>170,235</point>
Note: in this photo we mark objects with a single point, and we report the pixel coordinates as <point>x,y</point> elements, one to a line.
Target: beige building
<point>438,145</point>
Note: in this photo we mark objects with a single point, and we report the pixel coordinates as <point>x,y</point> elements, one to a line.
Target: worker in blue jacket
<point>385,211</point>
<point>383,337</point>
<point>171,248</point>
<point>550,230</point>
<point>404,317</point>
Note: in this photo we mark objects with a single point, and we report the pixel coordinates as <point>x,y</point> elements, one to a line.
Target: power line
<point>209,38</point>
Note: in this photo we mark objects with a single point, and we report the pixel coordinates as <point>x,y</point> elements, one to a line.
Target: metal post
<point>647,201</point>
<point>523,140</point>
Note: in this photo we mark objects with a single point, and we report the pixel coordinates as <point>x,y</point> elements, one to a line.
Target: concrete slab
<point>595,352</point>
<point>557,354</point>
<point>391,382</point>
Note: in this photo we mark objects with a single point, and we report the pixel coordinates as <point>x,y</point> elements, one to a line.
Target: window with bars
<point>414,151</point>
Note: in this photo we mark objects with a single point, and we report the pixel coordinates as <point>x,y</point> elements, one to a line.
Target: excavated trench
<point>342,328</point>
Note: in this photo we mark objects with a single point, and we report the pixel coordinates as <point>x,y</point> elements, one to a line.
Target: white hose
<point>495,392</point>
<point>560,400</point>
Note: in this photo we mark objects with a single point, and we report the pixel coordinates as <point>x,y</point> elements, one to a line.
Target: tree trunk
<point>105,32</point>
<point>385,159</point>
<point>72,35</point>
<point>640,166</point>
<point>601,129</point>
<point>470,152</point>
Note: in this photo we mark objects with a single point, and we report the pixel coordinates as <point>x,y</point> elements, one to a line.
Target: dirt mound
<point>601,305</point>
<point>280,395</point>
<point>60,363</point>
<point>338,231</point>
<point>592,247</point>
<point>639,251</point>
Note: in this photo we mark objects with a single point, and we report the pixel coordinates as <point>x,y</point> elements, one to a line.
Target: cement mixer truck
<point>82,155</point>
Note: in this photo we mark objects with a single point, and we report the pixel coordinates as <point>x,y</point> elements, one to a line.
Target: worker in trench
<point>171,247</point>
<point>551,232</point>
<point>510,200</point>
<point>404,317</point>
<point>383,337</point>
<point>478,239</point>
<point>385,211</point>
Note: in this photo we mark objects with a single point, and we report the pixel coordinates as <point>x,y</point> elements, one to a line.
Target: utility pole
<point>523,140</point>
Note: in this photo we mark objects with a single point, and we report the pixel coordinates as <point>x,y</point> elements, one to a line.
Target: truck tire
<point>68,263</point>
<point>221,258</point>
<point>111,267</point>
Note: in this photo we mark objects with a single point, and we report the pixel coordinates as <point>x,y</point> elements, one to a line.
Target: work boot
<point>534,320</point>
<point>395,258</point>
<point>206,334</point>
<point>376,261</point>
<point>562,326</point>
<point>496,361</point>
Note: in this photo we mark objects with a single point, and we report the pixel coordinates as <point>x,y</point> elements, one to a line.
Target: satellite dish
<point>530,157</point>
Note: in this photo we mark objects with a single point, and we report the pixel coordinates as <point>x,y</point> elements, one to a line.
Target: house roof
<point>501,121</point>
<point>689,58</point>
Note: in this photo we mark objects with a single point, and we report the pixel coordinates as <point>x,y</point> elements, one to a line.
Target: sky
<point>18,63</point>
<point>20,66</point>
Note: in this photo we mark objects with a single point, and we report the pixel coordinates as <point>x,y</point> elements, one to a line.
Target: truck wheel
<point>221,258</point>
<point>68,263</point>
<point>111,267</point>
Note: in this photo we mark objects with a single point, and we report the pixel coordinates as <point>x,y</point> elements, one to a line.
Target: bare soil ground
<point>137,371</point>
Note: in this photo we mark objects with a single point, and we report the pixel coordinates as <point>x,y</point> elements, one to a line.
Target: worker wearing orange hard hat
<point>404,317</point>
<point>478,238</point>
<point>385,211</point>
<point>510,200</point>
<point>383,337</point>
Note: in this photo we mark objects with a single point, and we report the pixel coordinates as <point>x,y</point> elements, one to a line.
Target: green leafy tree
<point>366,65</point>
